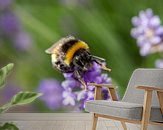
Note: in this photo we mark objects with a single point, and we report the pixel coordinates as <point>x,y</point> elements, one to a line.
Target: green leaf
<point>5,107</point>
<point>24,98</point>
<point>9,126</point>
<point>20,98</point>
<point>4,73</point>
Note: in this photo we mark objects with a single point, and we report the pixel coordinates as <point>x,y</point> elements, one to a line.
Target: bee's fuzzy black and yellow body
<point>71,55</point>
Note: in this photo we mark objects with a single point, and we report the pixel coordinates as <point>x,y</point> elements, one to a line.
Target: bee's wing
<point>56,46</point>
<point>52,48</point>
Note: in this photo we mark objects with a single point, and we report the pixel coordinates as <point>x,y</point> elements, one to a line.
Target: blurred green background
<point>104,24</point>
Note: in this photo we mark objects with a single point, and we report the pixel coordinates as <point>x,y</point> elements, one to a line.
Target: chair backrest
<point>147,77</point>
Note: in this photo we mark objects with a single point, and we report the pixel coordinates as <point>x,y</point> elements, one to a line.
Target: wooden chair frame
<point>146,106</point>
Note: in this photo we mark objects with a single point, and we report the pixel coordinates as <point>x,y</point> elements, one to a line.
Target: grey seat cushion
<point>120,109</point>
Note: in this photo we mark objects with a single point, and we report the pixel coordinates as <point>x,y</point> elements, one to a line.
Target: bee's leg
<point>98,58</point>
<point>99,61</point>
<point>78,77</point>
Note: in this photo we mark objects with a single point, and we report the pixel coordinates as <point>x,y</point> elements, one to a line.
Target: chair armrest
<point>150,88</point>
<point>160,98</point>
<point>111,90</point>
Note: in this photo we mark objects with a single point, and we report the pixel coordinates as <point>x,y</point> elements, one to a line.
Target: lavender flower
<point>10,27</point>
<point>73,93</point>
<point>22,41</point>
<point>9,23</point>
<point>148,32</point>
<point>52,93</point>
<point>5,4</point>
<point>8,92</point>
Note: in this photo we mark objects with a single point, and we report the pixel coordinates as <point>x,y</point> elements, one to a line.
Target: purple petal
<point>142,14</point>
<point>145,50</point>
<point>98,79</point>
<point>69,101</point>
<point>68,75</point>
<point>144,19</point>
<point>136,32</point>
<point>149,13</point>
<point>91,88</point>
<point>106,79</point>
<point>90,95</point>
<point>90,76</point>
<point>81,95</point>
<point>141,41</point>
<point>154,22</point>
<point>96,66</point>
<point>69,98</point>
<point>159,30</point>
<point>155,40</point>
<point>70,83</point>
<point>135,21</point>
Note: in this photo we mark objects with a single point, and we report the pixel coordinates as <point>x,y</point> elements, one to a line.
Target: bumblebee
<point>71,55</point>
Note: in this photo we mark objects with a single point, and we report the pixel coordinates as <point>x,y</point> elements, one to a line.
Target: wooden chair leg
<point>146,110</point>
<point>124,125</point>
<point>160,98</point>
<point>94,123</point>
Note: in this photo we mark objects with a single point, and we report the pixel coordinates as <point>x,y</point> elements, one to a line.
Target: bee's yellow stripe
<point>70,53</point>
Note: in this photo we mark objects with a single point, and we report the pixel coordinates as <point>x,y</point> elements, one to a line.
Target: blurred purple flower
<point>11,27</point>
<point>8,92</point>
<point>22,41</point>
<point>159,63</point>
<point>52,93</point>
<point>148,32</point>
<point>73,88</point>
<point>5,4</point>
<point>9,23</point>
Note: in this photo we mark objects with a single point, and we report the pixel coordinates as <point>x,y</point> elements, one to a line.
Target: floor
<point>60,121</point>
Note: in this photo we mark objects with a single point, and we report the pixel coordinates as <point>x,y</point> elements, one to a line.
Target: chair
<point>141,104</point>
